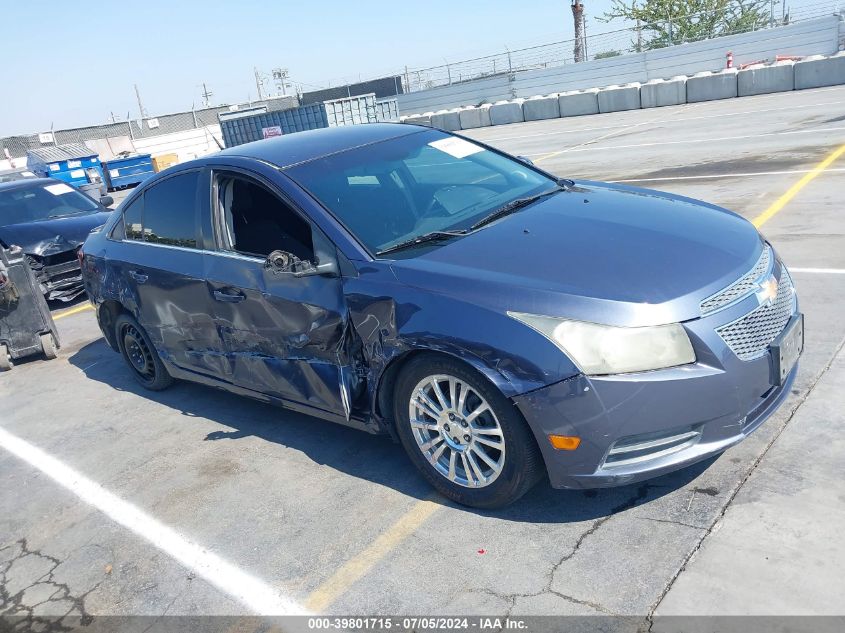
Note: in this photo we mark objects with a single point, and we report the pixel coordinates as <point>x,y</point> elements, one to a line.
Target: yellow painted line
<point>360,565</point>
<point>76,310</point>
<point>781,202</point>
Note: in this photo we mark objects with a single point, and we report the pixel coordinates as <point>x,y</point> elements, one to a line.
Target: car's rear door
<point>160,263</point>
<point>284,335</point>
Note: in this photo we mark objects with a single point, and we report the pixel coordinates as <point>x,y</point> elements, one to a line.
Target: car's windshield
<point>397,190</point>
<point>42,201</point>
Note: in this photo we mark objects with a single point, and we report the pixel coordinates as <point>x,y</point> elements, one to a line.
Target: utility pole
<point>280,78</point>
<point>206,95</point>
<point>578,18</point>
<point>639,37</point>
<point>258,83</point>
<point>141,110</point>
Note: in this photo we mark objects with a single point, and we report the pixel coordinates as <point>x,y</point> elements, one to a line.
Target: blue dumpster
<point>127,171</point>
<point>73,163</point>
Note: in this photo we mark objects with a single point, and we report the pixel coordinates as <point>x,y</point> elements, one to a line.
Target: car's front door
<point>284,334</point>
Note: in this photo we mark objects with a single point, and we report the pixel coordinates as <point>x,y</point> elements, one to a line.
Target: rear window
<point>164,214</point>
<point>170,211</point>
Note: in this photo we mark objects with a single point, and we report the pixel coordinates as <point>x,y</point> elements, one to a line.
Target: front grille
<point>741,287</point>
<point>749,337</point>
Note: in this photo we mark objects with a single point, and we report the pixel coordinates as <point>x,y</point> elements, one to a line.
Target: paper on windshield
<point>457,147</point>
<point>58,189</point>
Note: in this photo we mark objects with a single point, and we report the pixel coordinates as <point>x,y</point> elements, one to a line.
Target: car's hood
<point>603,253</point>
<point>52,236</point>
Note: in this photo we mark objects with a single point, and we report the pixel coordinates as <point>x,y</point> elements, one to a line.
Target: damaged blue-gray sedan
<point>502,323</point>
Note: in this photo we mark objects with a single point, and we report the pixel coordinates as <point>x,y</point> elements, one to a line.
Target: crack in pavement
<point>511,598</point>
<point>735,492</point>
<point>15,607</point>
<point>681,523</point>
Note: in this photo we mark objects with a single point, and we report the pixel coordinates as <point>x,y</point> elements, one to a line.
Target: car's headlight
<point>604,349</point>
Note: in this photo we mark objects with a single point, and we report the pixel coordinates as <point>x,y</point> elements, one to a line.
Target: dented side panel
<point>171,304</point>
<point>285,336</point>
<point>391,320</point>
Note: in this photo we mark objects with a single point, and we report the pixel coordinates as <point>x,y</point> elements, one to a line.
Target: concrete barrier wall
<point>462,94</point>
<point>757,79</point>
<point>811,37</point>
<point>820,72</point>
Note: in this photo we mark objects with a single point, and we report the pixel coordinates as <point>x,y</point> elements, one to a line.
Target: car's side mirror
<point>106,201</point>
<point>284,263</point>
<point>526,160</point>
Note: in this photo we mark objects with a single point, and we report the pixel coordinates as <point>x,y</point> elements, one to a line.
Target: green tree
<point>606,54</point>
<point>666,22</point>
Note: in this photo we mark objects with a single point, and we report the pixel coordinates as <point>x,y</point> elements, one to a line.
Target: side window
<point>257,222</point>
<point>170,211</point>
<point>133,220</point>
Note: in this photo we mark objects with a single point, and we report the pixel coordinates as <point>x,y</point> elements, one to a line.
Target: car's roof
<point>26,183</point>
<point>292,149</point>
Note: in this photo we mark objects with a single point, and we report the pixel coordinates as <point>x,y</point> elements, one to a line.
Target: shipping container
<point>238,130</point>
<point>73,163</point>
<point>127,171</point>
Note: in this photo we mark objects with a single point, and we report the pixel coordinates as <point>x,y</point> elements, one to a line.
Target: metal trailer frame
<point>26,325</point>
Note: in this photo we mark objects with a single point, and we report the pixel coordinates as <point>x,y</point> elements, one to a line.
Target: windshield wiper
<point>514,205</point>
<point>426,237</point>
<point>65,215</point>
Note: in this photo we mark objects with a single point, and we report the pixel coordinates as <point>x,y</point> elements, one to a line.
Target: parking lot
<point>193,501</point>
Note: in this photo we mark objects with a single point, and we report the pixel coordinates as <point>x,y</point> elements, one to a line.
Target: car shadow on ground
<point>358,454</point>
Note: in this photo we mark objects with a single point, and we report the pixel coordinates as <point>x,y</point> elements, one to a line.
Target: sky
<point>69,64</point>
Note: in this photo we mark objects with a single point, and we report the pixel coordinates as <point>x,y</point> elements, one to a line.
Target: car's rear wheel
<point>140,355</point>
<point>5,358</point>
<point>463,435</point>
<point>48,346</point>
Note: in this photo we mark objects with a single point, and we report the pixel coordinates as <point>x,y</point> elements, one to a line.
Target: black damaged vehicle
<point>50,220</point>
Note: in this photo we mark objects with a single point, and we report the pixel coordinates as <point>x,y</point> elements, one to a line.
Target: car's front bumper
<point>59,276</point>
<point>637,426</point>
<point>603,412</point>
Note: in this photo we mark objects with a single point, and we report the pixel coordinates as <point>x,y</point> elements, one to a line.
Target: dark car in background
<point>49,220</point>
<point>502,323</point>
<point>8,175</point>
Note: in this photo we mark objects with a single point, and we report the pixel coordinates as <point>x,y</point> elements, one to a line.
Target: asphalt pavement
<point>119,501</point>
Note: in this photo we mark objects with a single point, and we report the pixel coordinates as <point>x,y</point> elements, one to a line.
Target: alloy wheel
<point>457,431</point>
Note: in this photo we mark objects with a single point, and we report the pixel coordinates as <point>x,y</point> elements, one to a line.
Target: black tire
<point>523,465</point>
<point>6,363</point>
<point>48,346</point>
<point>140,355</point>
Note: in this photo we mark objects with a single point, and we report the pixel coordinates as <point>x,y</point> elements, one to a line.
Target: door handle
<point>139,277</point>
<point>229,298</point>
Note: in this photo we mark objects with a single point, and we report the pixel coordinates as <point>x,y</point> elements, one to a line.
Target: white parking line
<point>688,141</point>
<point>729,175</point>
<point>252,593</point>
<point>820,271</point>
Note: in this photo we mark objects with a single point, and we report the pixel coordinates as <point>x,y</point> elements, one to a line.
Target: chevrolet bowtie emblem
<point>768,290</point>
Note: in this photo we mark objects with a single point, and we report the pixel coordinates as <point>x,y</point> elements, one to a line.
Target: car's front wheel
<point>140,355</point>
<point>463,435</point>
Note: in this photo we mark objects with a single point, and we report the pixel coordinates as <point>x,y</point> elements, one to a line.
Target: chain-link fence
<point>657,34</point>
<point>644,36</point>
